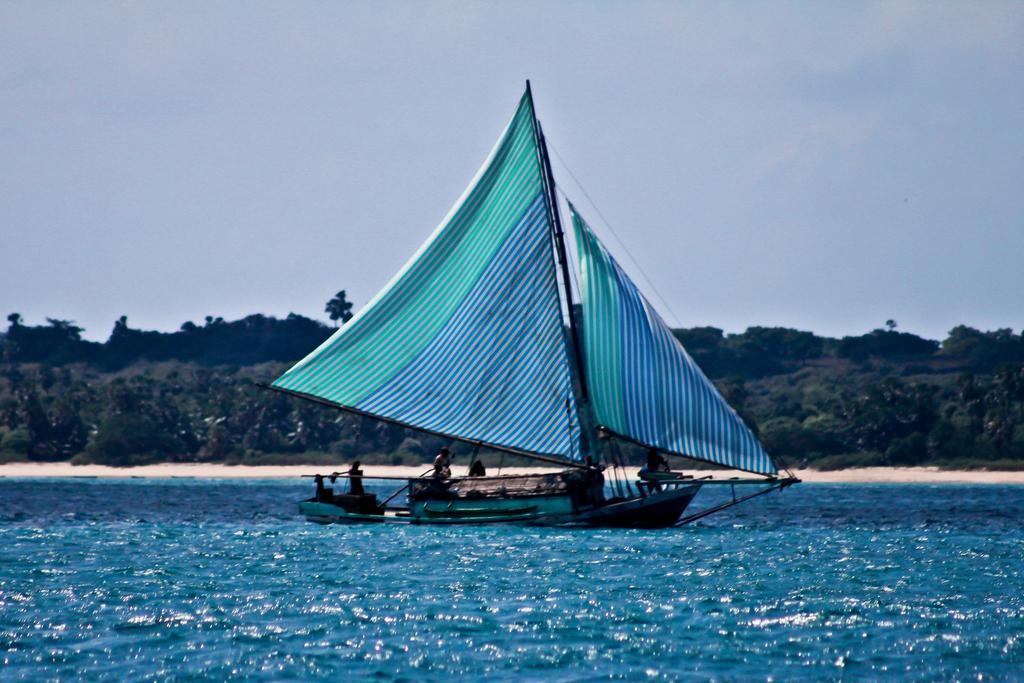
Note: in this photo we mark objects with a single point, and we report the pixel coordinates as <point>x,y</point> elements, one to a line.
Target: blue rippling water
<point>205,580</point>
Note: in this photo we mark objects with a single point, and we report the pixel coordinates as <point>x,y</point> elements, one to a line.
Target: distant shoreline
<point>865,475</point>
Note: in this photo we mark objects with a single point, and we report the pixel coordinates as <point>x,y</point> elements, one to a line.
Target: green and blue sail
<point>643,384</point>
<point>468,341</point>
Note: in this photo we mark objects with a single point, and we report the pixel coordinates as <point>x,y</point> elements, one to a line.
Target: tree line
<point>883,398</point>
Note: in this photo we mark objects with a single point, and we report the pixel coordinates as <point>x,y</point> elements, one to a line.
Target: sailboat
<point>479,339</point>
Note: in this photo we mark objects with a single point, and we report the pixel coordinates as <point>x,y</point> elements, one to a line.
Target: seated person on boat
<point>477,469</point>
<point>443,464</point>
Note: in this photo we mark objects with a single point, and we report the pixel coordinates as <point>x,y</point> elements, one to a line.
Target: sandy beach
<point>868,475</point>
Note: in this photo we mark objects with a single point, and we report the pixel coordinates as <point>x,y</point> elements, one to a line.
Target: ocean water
<point>139,580</point>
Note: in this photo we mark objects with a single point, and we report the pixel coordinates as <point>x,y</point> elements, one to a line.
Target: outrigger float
<point>478,339</point>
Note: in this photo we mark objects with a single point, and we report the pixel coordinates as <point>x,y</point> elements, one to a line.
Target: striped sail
<point>643,385</point>
<point>467,339</point>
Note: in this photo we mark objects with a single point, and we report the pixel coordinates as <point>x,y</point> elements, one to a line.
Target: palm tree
<point>339,308</point>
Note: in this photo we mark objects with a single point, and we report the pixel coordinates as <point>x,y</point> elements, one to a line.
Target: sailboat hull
<point>656,510</point>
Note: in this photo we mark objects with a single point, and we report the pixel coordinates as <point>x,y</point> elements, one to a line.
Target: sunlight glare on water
<point>207,579</point>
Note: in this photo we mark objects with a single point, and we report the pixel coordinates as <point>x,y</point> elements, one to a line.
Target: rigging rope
<point>573,280</point>
<point>618,239</point>
<point>618,457</point>
<point>473,455</point>
<point>616,484</point>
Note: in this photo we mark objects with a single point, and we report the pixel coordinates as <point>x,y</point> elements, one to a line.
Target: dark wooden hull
<point>656,511</point>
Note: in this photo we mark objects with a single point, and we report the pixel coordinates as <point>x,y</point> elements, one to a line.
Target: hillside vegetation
<point>883,398</point>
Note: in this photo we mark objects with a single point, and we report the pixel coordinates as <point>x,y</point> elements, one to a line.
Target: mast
<point>559,235</point>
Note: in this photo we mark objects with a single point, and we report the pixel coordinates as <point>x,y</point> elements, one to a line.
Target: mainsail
<point>467,339</point>
<point>643,385</point>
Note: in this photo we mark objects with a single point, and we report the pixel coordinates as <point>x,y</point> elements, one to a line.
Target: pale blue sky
<point>817,165</point>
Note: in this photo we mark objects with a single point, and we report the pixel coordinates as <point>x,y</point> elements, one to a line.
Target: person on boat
<point>594,491</point>
<point>355,479</point>
<point>477,469</point>
<point>656,462</point>
<point>443,464</point>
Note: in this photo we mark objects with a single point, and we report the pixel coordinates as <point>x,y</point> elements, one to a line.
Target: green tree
<point>124,440</point>
<point>339,308</point>
<point>887,413</point>
<point>18,441</point>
